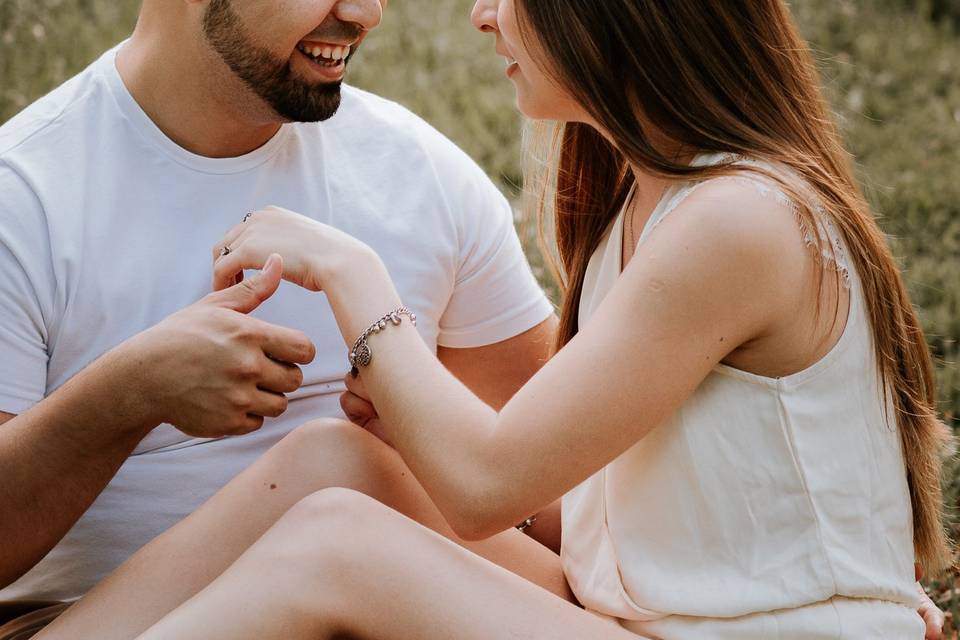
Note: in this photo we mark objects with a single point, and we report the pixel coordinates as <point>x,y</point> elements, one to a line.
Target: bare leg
<point>186,558</point>
<point>340,565</point>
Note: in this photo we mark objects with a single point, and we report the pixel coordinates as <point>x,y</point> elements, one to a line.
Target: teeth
<point>328,52</point>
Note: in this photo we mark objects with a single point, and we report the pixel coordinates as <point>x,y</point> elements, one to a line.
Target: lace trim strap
<point>833,251</point>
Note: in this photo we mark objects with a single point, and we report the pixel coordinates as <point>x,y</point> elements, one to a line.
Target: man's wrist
<point>126,385</point>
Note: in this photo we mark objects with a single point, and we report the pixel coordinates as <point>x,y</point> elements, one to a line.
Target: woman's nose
<point>484,16</point>
<point>366,13</point>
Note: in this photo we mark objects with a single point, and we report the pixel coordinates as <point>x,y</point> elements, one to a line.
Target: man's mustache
<point>335,31</point>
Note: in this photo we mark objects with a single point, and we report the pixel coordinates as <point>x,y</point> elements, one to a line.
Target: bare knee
<point>321,434</point>
<point>328,453</point>
<point>334,531</point>
<point>314,555</point>
<point>337,510</point>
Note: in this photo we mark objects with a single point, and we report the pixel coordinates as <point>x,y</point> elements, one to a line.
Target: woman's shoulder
<point>742,234</point>
<point>773,204</point>
<point>750,210</point>
<point>747,238</point>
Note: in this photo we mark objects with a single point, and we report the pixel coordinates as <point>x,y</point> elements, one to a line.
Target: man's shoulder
<point>359,105</point>
<point>41,123</point>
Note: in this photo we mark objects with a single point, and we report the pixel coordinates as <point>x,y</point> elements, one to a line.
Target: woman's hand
<point>359,409</point>
<point>933,617</point>
<point>316,257</point>
<point>311,250</point>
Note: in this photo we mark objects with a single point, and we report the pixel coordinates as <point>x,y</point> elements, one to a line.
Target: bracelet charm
<point>361,354</point>
<point>526,524</point>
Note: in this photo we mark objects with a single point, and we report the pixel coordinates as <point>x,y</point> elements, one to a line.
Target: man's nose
<point>484,15</point>
<point>366,13</point>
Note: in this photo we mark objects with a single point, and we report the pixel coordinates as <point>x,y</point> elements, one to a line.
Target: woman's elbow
<point>480,515</point>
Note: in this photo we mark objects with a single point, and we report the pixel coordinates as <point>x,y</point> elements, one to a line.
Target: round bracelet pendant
<point>362,355</point>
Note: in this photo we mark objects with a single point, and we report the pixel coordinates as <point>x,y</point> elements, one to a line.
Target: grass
<point>890,69</point>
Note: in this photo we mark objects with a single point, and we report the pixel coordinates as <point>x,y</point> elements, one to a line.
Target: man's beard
<point>269,77</point>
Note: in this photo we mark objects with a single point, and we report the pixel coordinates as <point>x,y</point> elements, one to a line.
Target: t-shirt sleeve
<point>24,261</point>
<point>496,295</point>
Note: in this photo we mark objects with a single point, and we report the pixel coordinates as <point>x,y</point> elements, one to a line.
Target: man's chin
<point>319,104</point>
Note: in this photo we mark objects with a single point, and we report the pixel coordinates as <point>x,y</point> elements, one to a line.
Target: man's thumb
<point>246,296</point>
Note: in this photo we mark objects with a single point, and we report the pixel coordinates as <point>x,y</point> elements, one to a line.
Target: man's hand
<point>211,370</point>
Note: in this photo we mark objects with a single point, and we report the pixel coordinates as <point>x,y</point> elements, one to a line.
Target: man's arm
<point>57,458</point>
<point>495,372</point>
<point>204,370</point>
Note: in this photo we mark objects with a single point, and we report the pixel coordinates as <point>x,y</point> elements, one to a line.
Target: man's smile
<point>325,54</point>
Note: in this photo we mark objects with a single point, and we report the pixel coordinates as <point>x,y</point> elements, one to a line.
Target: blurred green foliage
<point>894,80</point>
<point>44,42</point>
<point>935,10</point>
<point>891,69</point>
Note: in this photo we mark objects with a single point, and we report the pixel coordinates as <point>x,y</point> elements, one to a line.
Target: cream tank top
<point>763,508</point>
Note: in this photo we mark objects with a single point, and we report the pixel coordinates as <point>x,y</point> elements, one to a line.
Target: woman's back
<point>764,507</point>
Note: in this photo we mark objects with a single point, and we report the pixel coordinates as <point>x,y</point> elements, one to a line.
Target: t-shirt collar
<point>142,123</point>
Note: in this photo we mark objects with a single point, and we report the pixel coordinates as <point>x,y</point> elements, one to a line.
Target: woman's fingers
<point>228,267</point>
<point>235,234</point>
<point>363,414</point>
<point>933,617</point>
<point>357,409</point>
<point>356,387</point>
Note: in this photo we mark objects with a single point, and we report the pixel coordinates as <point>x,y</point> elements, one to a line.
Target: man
<point>119,374</point>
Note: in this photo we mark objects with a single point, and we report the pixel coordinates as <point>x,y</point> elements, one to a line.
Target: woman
<point>739,419</point>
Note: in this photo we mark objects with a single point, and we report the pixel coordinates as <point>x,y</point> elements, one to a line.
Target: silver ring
<point>225,251</point>
<point>248,216</point>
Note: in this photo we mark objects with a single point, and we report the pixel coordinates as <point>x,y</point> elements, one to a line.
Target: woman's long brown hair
<point>732,77</point>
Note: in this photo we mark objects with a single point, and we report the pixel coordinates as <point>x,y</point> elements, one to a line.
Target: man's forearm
<point>58,456</point>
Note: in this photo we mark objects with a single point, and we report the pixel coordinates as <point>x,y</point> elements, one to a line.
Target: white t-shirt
<point>106,228</point>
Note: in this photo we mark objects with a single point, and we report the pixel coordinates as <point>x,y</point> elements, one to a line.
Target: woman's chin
<point>536,111</point>
<point>547,110</point>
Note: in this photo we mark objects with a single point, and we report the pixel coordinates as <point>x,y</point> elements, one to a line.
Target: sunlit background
<point>891,69</point>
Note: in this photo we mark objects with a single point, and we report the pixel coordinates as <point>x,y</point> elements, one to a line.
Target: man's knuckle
<point>240,402</point>
<point>245,334</point>
<point>247,367</point>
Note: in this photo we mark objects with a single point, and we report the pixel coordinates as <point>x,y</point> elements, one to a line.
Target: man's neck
<point>193,109</point>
